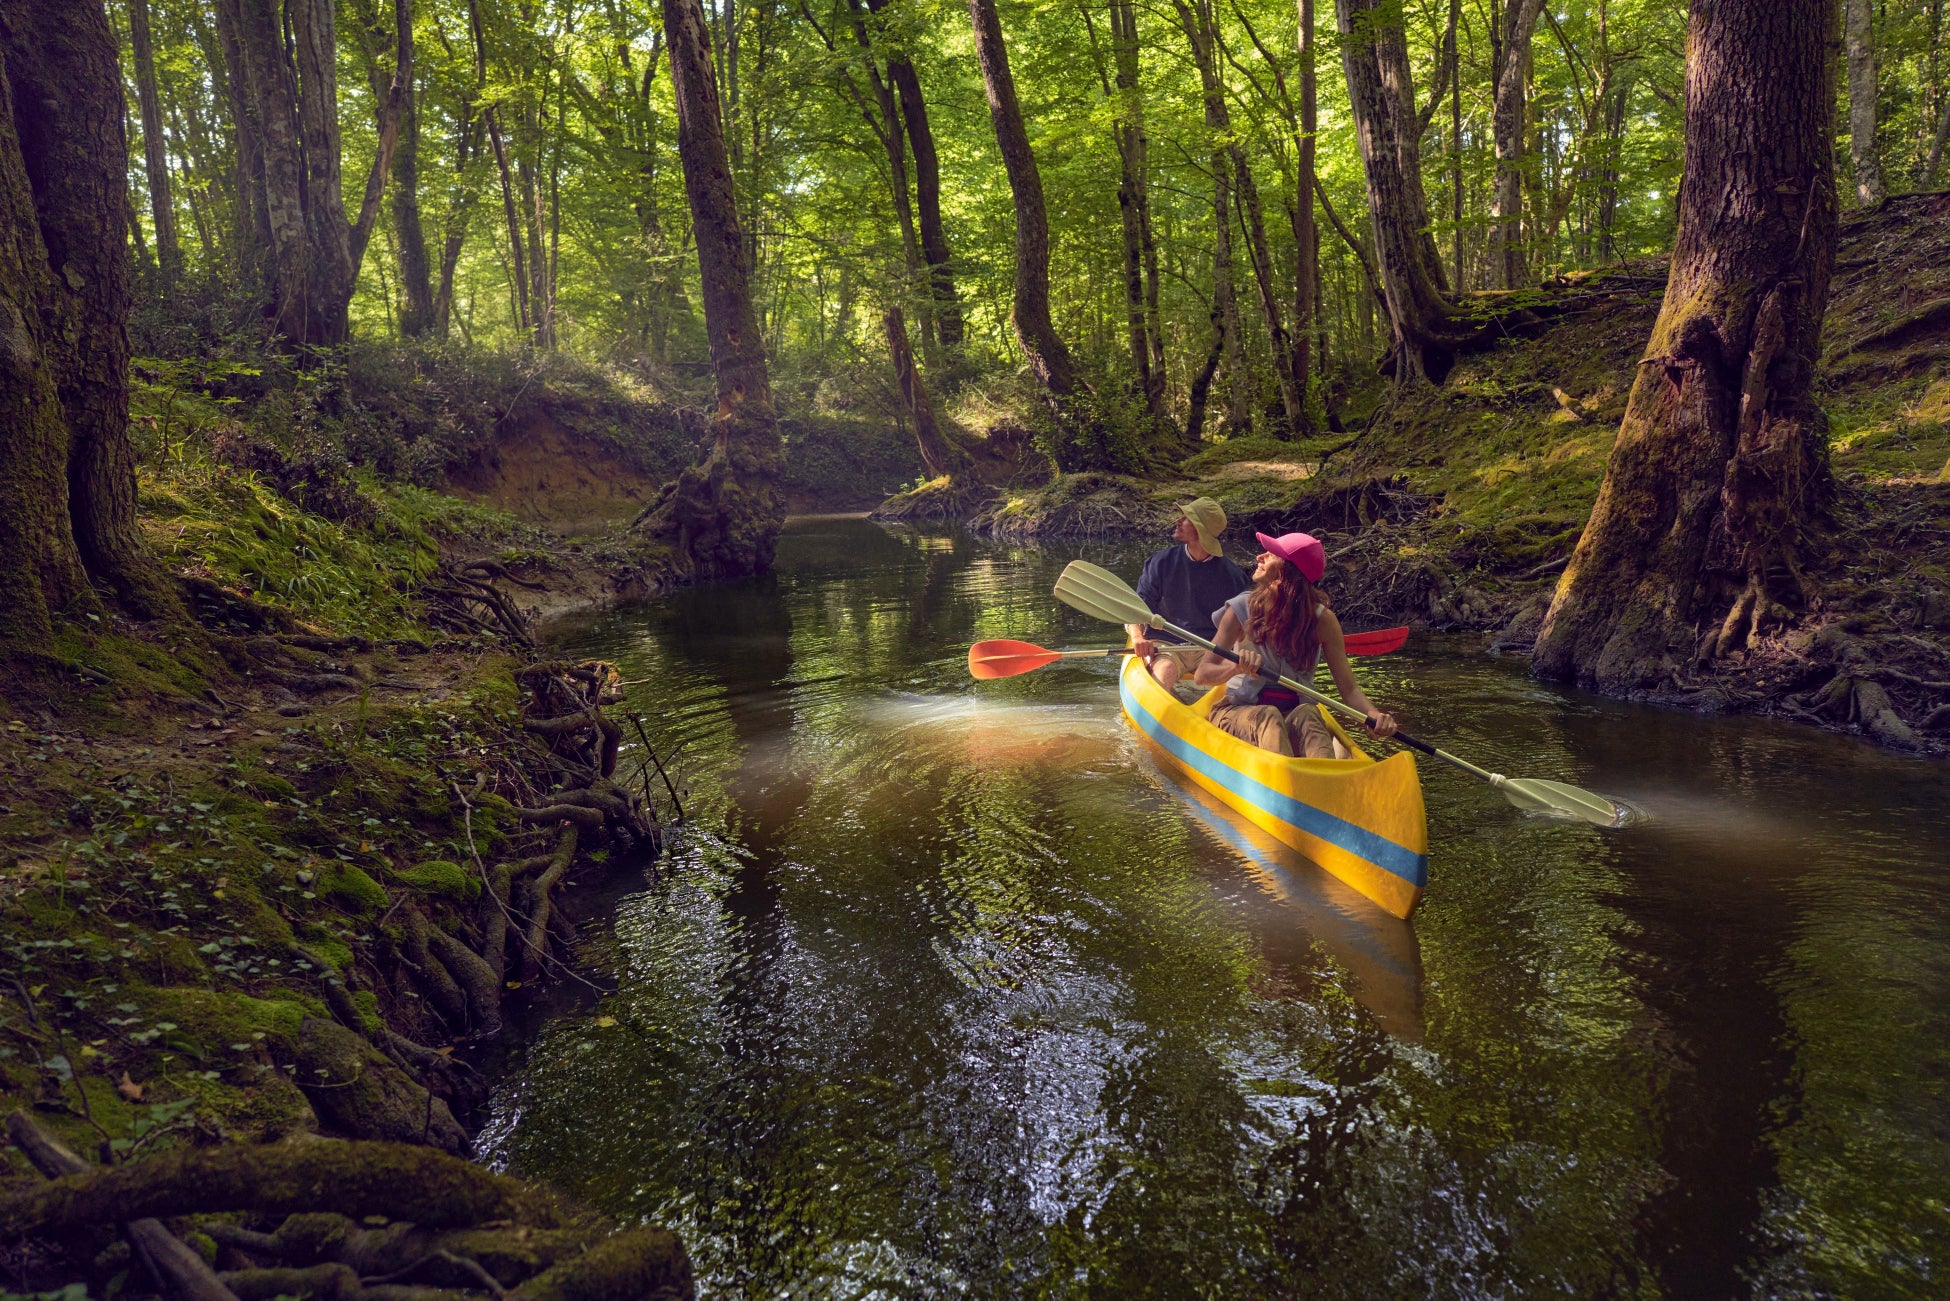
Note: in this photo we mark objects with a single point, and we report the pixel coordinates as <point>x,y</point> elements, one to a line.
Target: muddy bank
<point>1457,507</point>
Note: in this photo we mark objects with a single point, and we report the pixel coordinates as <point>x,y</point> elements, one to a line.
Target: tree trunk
<point>314,251</point>
<point>1142,326</point>
<point>1279,342</point>
<point>155,158</point>
<point>927,195</point>
<point>1511,67</point>
<point>937,453</point>
<point>1306,235</point>
<point>1374,55</point>
<point>67,496</point>
<point>1721,456</point>
<point>722,515</point>
<point>253,222</point>
<point>1195,17</point>
<point>418,314</point>
<point>1456,141</point>
<point>1049,358</point>
<point>1867,162</point>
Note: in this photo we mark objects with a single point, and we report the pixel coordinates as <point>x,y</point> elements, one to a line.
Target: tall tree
<point>1510,64</point>
<point>1721,457</point>
<point>1144,338</point>
<point>1049,357</point>
<point>155,156</point>
<point>67,494</point>
<point>927,192</point>
<point>722,515</point>
<point>1862,153</point>
<point>938,454</point>
<point>417,313</point>
<point>292,112</point>
<point>1195,17</point>
<point>1374,54</point>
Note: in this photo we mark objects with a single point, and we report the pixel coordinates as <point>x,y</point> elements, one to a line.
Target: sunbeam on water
<point>949,989</point>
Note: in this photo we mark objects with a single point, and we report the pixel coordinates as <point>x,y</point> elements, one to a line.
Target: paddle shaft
<point>1338,706</point>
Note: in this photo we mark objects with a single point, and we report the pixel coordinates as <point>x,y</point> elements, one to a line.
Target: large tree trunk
<point>314,252</point>
<point>1388,130</point>
<point>155,158</point>
<point>1142,326</point>
<point>1049,358</point>
<point>1721,456</point>
<point>937,453</point>
<point>1512,71</point>
<point>67,491</point>
<point>722,516</point>
<point>1866,161</point>
<point>253,222</point>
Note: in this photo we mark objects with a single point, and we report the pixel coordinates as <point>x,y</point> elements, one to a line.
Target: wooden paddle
<point>1006,659</point>
<point>1103,595</point>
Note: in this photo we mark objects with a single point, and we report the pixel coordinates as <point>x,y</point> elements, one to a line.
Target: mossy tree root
<point>429,972</point>
<point>394,1180</point>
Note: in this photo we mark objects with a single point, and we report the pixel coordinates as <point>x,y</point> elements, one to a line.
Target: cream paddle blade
<point>1103,595</point>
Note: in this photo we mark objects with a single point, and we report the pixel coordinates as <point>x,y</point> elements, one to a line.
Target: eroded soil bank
<point>1457,507</point>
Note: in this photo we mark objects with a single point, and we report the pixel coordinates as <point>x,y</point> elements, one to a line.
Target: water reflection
<point>953,991</point>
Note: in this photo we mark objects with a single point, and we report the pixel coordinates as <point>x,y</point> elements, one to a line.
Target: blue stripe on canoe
<point>1379,850</point>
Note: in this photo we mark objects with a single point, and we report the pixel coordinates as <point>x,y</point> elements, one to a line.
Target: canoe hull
<point>1362,821</point>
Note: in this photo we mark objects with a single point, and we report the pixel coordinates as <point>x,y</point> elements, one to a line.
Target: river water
<point>949,990</point>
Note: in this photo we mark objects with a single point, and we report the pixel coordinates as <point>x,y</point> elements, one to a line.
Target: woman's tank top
<point>1245,688</point>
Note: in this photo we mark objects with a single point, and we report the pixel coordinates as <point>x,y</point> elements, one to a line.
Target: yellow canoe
<point>1360,819</point>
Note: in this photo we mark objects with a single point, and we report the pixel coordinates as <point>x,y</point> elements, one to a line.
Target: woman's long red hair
<point>1281,614</point>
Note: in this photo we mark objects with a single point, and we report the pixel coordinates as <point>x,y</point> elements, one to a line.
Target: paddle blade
<point>1536,795</point>
<point>1101,594</point>
<point>1005,659</point>
<point>1378,642</point>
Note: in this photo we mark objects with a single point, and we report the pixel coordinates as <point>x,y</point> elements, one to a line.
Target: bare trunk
<point>417,312</point>
<point>1306,235</point>
<point>927,195</point>
<point>1144,336</point>
<point>253,222</point>
<point>1862,153</point>
<point>314,251</point>
<point>1512,72</point>
<point>1456,142</point>
<point>1195,17</point>
<point>1049,358</point>
<point>1423,337</point>
<point>67,497</point>
<point>155,158</point>
<point>518,272</point>
<point>937,453</point>
<point>1722,454</point>
<point>723,513</point>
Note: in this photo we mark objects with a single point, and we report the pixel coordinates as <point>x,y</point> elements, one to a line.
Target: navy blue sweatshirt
<point>1188,592</point>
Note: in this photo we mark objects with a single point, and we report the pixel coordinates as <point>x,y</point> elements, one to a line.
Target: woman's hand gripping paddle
<point>1006,659</point>
<point>1103,595</point>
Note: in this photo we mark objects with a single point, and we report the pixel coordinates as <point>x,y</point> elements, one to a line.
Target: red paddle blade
<point>1005,659</point>
<point>1379,642</point>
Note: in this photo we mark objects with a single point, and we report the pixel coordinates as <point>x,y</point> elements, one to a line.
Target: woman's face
<point>1266,568</point>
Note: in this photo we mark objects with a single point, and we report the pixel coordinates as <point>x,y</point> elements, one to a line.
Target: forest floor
<point>1458,507</point>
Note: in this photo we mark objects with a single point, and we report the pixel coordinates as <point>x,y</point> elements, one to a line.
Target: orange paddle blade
<point>1005,659</point>
<point>1379,642</point>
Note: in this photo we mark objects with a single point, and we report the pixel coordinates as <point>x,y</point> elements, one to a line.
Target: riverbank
<point>1457,508</point>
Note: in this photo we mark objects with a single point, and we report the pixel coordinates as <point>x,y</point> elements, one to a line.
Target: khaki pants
<point>1299,732</point>
<point>1187,657</point>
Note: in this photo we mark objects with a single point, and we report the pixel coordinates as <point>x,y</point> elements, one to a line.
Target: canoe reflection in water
<point>1296,903</point>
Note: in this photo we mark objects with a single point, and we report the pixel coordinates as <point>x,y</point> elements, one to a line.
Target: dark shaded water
<point>952,992</point>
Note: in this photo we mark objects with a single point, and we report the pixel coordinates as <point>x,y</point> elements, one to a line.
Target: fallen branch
<point>177,1269</point>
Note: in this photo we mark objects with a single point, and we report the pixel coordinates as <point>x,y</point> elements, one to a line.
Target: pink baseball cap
<point>1301,550</point>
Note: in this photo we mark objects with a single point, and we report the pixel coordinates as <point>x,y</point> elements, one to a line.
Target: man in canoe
<point>1283,624</point>
<point>1186,583</point>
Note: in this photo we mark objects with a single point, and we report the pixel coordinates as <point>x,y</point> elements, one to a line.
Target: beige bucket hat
<point>1209,518</point>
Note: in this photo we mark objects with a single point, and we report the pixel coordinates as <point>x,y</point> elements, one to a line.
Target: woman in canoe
<point>1282,623</point>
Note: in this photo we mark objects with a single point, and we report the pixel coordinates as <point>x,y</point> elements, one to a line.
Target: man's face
<point>1184,531</point>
